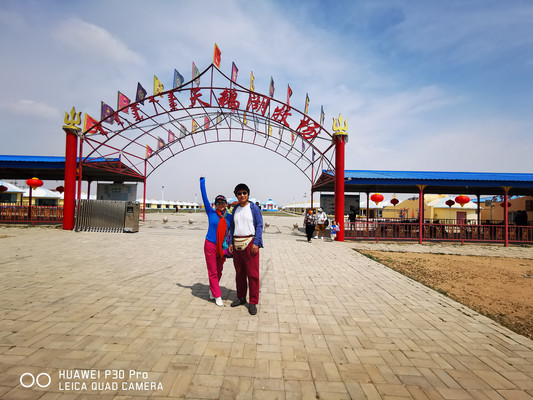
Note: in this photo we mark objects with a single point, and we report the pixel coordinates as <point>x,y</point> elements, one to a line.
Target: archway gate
<point>210,108</point>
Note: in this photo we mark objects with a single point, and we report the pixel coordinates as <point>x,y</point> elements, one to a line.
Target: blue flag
<point>178,79</point>
<point>141,93</point>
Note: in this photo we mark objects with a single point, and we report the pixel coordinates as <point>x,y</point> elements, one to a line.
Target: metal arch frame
<point>148,125</point>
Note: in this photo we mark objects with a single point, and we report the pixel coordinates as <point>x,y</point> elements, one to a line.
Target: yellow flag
<point>158,86</point>
<point>194,126</point>
<point>252,81</point>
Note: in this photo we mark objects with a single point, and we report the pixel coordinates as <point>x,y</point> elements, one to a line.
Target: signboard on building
<point>351,202</point>
<point>117,191</point>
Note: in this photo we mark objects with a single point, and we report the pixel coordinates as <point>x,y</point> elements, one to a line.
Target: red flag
<point>234,72</point>
<point>149,151</point>
<point>289,93</point>
<point>171,136</point>
<point>122,103</point>
<point>90,125</point>
<point>216,56</point>
<point>206,122</point>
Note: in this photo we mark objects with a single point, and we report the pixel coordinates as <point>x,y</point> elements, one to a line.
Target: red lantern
<point>34,183</point>
<point>3,188</point>
<point>502,204</point>
<point>376,198</point>
<point>462,200</point>
<point>450,203</point>
<point>394,201</point>
<point>60,189</point>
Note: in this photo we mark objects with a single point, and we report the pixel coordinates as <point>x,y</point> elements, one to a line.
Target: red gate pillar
<point>71,150</point>
<point>340,137</point>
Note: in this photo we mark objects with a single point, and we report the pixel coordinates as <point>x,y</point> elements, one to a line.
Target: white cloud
<point>94,42</point>
<point>32,108</point>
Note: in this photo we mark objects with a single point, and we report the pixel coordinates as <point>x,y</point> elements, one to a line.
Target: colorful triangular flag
<point>158,86</point>
<point>160,143</point>
<point>306,104</point>
<point>141,93</point>
<point>90,125</point>
<point>271,91</point>
<point>252,81</point>
<point>234,72</point>
<point>195,74</point>
<point>216,56</point>
<point>122,103</point>
<point>171,136</point>
<point>149,151</point>
<point>107,114</point>
<point>178,79</point>
<point>289,93</point>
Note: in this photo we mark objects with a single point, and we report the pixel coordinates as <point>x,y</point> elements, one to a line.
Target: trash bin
<point>131,217</point>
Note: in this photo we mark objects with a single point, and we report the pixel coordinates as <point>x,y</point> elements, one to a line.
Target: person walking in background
<point>246,237</point>
<point>309,224</point>
<point>321,218</point>
<point>352,217</point>
<point>215,241</point>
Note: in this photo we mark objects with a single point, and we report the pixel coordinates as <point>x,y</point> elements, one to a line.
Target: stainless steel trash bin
<point>131,217</point>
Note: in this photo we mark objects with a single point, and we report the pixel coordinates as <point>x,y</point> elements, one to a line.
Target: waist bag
<point>241,243</point>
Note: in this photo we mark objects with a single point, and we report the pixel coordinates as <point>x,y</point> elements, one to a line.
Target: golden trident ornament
<point>72,120</point>
<point>339,128</point>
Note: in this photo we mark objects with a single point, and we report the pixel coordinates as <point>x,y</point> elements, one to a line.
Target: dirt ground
<point>498,287</point>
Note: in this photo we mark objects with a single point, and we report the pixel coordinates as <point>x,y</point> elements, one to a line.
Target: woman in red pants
<point>215,241</point>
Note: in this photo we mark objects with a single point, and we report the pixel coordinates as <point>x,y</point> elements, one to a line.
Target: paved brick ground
<point>332,324</point>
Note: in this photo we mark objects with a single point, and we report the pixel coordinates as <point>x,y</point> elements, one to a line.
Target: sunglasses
<point>217,203</point>
<point>242,193</point>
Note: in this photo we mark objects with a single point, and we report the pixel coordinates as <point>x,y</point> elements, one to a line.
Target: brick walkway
<point>332,324</point>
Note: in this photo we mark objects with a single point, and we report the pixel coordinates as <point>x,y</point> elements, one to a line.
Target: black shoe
<point>252,309</point>
<point>238,302</point>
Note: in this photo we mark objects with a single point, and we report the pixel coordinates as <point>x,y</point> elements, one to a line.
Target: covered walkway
<point>425,182</point>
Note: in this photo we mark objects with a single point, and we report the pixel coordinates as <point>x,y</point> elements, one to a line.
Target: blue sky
<point>424,85</point>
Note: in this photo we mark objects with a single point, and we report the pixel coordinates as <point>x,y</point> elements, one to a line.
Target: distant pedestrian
<point>309,224</point>
<point>215,241</point>
<point>321,219</point>
<point>352,216</point>
<point>246,237</point>
<point>334,230</point>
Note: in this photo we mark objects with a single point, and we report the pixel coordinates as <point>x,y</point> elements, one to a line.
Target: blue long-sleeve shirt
<point>213,217</point>
<point>258,225</point>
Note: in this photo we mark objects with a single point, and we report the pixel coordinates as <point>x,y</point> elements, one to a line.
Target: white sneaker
<point>211,297</point>
<point>218,301</point>
<point>316,237</point>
